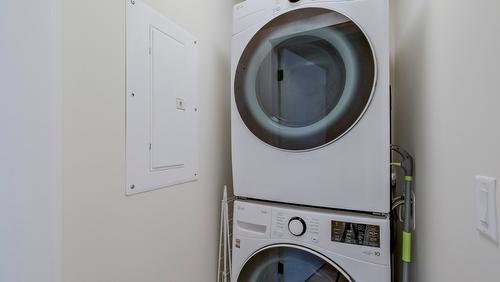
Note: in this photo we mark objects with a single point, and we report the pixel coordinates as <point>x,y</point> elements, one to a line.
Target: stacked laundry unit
<point>310,140</point>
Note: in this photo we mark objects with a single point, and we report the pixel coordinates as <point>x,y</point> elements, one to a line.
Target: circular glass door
<point>304,79</point>
<point>290,263</point>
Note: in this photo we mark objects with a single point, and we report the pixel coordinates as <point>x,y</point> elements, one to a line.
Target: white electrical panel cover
<point>162,120</point>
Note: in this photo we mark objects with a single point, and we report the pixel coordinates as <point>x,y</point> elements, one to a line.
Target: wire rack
<point>225,238</point>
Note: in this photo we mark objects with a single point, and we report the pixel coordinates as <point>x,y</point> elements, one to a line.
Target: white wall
<point>30,139</point>
<point>447,99</point>
<point>164,235</point>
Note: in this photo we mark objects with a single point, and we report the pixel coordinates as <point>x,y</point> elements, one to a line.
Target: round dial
<point>297,226</point>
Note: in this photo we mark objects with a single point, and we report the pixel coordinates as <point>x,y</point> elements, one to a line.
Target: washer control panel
<point>356,233</point>
<point>360,236</point>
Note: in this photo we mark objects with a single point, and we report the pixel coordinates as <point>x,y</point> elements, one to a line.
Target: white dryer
<point>276,242</point>
<point>310,102</point>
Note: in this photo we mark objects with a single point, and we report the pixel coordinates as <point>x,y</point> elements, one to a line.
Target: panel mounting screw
<point>195,42</point>
<point>195,109</point>
<point>132,186</point>
<point>132,2</point>
<point>133,94</point>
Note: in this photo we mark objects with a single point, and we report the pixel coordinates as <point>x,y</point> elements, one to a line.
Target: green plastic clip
<point>406,247</point>
<point>408,178</point>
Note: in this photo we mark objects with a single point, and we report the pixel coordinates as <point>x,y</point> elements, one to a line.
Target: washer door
<point>305,79</point>
<point>290,263</point>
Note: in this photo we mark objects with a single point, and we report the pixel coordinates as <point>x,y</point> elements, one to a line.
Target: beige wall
<point>164,235</point>
<point>447,99</point>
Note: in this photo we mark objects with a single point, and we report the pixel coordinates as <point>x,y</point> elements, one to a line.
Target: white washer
<point>310,103</point>
<point>276,242</point>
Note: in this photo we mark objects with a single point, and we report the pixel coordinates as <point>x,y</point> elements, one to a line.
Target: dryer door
<point>290,263</point>
<point>305,79</point>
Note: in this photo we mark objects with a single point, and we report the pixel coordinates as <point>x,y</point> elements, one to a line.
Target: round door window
<point>289,263</point>
<point>304,79</point>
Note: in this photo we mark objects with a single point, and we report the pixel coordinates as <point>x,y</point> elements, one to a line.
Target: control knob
<point>297,226</point>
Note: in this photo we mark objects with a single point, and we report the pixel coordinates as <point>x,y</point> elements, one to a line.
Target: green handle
<point>406,247</point>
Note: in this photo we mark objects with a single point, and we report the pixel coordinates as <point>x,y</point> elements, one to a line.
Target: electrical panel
<point>162,110</point>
